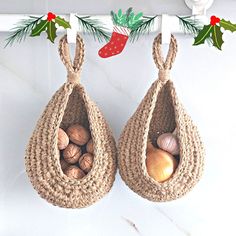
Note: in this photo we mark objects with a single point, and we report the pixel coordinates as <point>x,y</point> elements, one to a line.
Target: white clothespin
<point>72,32</point>
<point>165,29</point>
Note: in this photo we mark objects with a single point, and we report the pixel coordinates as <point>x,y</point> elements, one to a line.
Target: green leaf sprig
<point>127,19</point>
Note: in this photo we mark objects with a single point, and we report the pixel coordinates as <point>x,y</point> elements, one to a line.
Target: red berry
<point>51,16</point>
<point>214,20</point>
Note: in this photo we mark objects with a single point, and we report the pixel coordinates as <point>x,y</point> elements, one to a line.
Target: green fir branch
<point>22,29</point>
<point>93,26</point>
<point>189,25</point>
<point>192,26</point>
<point>143,28</point>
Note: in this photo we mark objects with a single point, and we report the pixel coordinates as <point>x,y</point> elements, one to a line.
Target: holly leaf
<point>217,37</point>
<point>119,13</point>
<point>203,35</point>
<point>138,16</point>
<point>130,19</point>
<point>227,25</point>
<point>131,16</point>
<point>39,28</point>
<point>62,22</point>
<point>134,20</point>
<point>123,20</point>
<point>51,31</point>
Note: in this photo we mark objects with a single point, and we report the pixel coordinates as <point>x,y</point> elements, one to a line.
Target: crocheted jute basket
<point>70,105</point>
<point>159,112</point>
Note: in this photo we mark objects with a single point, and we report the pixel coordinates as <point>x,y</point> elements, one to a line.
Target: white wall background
<point>205,80</point>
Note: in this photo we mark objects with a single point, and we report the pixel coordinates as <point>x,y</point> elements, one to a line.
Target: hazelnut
<point>74,172</point>
<point>72,153</point>
<point>86,162</point>
<point>89,146</point>
<point>64,164</point>
<point>78,134</point>
<point>63,139</point>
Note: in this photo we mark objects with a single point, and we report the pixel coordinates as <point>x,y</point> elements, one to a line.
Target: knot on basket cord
<point>73,77</point>
<point>164,65</point>
<point>164,75</point>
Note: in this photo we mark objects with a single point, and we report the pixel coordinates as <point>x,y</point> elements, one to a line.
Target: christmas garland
<point>127,25</point>
<point>34,26</point>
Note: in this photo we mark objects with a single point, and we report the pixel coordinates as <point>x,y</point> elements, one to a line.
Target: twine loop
<point>164,66</point>
<point>73,68</point>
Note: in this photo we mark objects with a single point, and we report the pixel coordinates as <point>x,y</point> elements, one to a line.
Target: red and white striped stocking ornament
<point>117,42</point>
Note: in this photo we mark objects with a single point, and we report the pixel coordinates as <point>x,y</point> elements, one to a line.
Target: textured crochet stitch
<point>69,105</point>
<point>159,112</point>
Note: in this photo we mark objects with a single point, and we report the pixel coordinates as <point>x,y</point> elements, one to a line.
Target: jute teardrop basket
<point>159,112</point>
<point>70,105</point>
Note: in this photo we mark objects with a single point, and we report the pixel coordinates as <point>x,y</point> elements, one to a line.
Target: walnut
<point>74,172</point>
<point>63,139</point>
<point>72,153</point>
<point>64,164</point>
<point>89,146</point>
<point>86,162</point>
<point>78,134</point>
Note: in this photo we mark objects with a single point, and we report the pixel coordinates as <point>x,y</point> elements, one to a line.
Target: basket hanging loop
<point>164,66</point>
<point>73,69</point>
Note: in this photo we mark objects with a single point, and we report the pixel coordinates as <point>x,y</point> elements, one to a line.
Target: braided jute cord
<point>73,69</point>
<point>164,66</point>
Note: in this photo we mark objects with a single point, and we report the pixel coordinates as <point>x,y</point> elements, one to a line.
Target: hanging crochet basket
<point>160,112</point>
<point>70,105</point>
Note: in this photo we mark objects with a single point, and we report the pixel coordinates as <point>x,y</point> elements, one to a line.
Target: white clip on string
<point>72,32</point>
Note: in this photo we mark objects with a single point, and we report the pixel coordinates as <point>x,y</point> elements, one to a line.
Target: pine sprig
<point>93,26</point>
<point>143,28</point>
<point>22,29</point>
<point>191,26</point>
